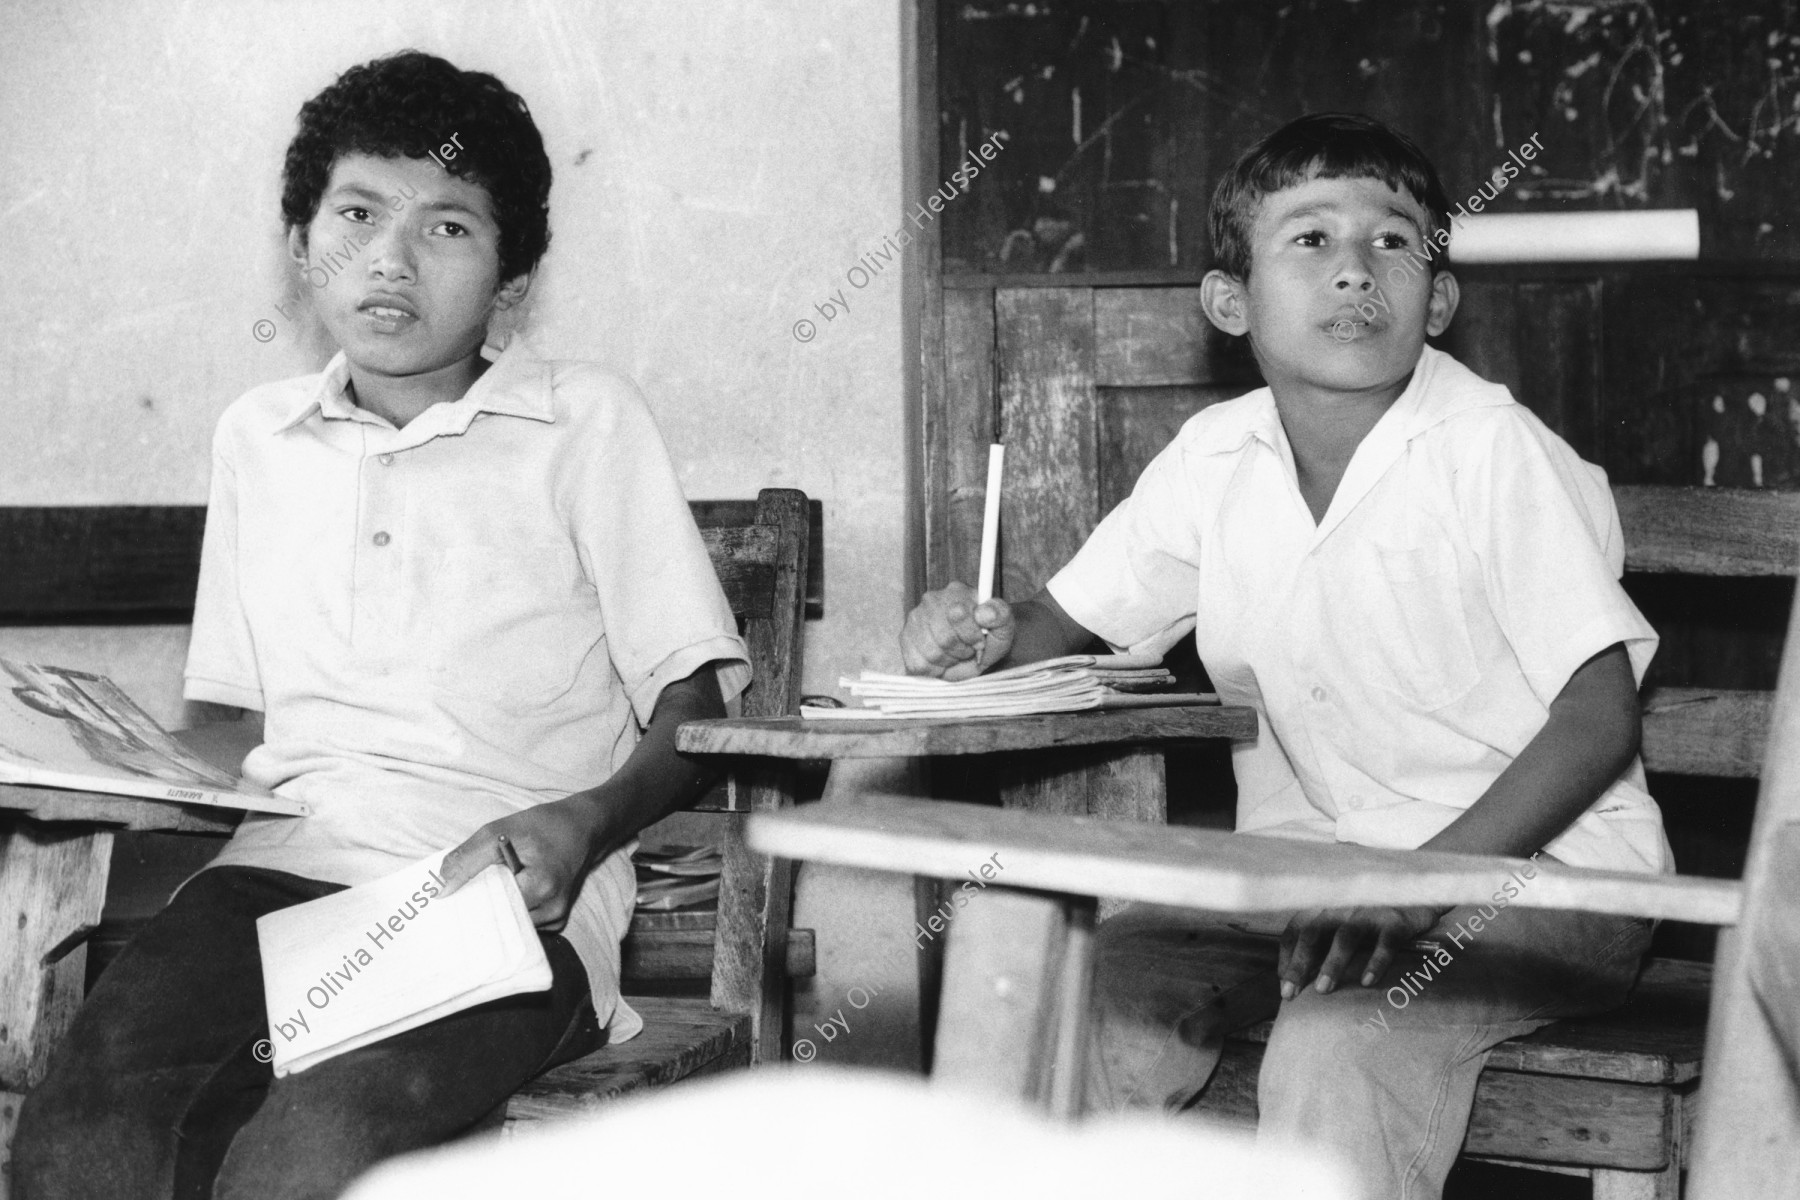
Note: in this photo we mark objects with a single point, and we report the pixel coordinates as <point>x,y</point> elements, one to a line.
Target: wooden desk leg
<point>1014,1015</point>
<point>52,888</point>
<point>1119,785</point>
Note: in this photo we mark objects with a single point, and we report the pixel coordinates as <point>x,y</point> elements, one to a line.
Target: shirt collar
<point>517,384</point>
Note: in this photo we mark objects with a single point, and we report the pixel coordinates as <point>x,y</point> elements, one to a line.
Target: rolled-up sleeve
<point>1135,583</point>
<point>660,600</point>
<point>1546,530</point>
<point>221,663</point>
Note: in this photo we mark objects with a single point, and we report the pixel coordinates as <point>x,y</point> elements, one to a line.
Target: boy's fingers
<point>963,625</point>
<point>468,860</point>
<point>1337,959</point>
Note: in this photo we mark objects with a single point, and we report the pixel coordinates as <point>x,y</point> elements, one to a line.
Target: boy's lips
<point>387,313</point>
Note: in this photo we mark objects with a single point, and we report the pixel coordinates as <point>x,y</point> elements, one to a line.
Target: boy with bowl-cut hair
<point>1415,584</point>
<point>467,594</point>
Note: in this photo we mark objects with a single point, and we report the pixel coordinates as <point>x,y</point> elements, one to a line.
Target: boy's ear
<point>296,245</point>
<point>1446,294</point>
<point>1222,299</point>
<point>512,292</point>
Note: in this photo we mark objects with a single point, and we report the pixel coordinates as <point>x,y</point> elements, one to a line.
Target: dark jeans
<point>158,1091</point>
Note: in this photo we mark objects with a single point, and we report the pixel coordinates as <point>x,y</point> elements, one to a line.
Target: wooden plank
<point>1536,1118</point>
<point>1709,531</point>
<point>9,1124</point>
<point>999,1020</point>
<point>1706,731</point>
<point>1745,1144</point>
<point>52,888</point>
<point>122,812</point>
<point>688,954</point>
<point>715,514</point>
<point>681,1038</point>
<point>1157,337</point>
<point>744,559</point>
<point>1044,352</point>
<point>1137,422</point>
<point>957,439</point>
<point>792,737</point>
<point>1203,868</point>
<point>82,563</point>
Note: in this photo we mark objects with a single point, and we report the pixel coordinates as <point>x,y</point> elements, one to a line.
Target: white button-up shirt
<point>450,622</point>
<point>1402,651</point>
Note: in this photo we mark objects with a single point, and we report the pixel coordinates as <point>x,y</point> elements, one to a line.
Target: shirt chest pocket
<point>510,625</point>
<point>1408,633</point>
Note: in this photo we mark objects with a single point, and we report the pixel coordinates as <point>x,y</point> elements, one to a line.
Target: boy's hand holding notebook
<point>375,960</point>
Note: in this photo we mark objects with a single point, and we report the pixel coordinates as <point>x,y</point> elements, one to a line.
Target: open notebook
<point>64,728</point>
<point>378,959</point>
<point>1069,684</point>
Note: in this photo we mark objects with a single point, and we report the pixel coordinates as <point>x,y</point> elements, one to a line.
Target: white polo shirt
<point>450,622</point>
<point>1402,651</point>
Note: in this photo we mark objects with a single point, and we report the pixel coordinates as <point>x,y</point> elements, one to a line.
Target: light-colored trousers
<point>1381,1077</point>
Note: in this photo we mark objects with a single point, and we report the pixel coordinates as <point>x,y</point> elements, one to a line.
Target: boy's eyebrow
<point>356,191</point>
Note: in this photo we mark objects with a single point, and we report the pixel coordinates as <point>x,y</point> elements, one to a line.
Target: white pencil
<point>990,537</point>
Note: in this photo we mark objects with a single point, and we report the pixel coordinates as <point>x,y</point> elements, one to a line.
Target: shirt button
<point>382,539</point>
<point>1318,693</point>
<point>387,460</point>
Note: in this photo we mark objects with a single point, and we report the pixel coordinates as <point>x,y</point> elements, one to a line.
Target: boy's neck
<point>400,398</point>
<point>1324,427</point>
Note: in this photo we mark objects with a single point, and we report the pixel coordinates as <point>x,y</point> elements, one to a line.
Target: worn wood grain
<point>117,562</point>
<point>720,514</point>
<point>52,888</point>
<point>1044,360</point>
<point>122,812</point>
<point>1706,731</point>
<point>792,737</point>
<point>681,1038</point>
<point>1709,531</point>
<point>1203,868</point>
<point>957,440</point>
<point>665,954</point>
<point>1158,337</point>
<point>1541,1118</point>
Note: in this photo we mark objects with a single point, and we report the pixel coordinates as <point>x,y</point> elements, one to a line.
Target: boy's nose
<point>1353,273</point>
<point>390,253</point>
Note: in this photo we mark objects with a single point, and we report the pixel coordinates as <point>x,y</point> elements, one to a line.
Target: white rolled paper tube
<point>1576,237</point>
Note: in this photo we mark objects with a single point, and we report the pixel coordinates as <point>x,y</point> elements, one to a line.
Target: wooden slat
<point>956,444</point>
<point>716,514</point>
<point>1709,531</point>
<point>52,888</point>
<point>121,812</point>
<point>81,563</point>
<point>1540,1118</point>
<point>1203,868</point>
<point>1044,353</point>
<point>1706,731</point>
<point>681,1038</point>
<point>792,737</point>
<point>688,954</point>
<point>744,558</point>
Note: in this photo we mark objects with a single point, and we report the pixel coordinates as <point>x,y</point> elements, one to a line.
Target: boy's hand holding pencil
<point>953,637</point>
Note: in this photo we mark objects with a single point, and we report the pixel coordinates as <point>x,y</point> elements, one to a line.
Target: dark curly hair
<point>1319,146</point>
<point>408,103</point>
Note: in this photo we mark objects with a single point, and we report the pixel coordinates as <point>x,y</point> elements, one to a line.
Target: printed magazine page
<point>72,729</point>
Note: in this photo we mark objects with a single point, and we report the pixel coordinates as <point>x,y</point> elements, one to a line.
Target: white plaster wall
<point>719,165</point>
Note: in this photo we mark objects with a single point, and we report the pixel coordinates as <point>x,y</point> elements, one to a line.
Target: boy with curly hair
<point>465,596</point>
<point>1415,584</point>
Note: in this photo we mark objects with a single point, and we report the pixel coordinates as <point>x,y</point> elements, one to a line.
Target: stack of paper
<point>670,877</point>
<point>372,961</point>
<point>1069,684</point>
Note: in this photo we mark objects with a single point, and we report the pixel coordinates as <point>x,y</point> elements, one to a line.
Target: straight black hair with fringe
<point>1319,146</point>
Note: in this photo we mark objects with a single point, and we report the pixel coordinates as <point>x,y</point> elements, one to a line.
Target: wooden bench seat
<point>682,1037</point>
<point>1608,1091</point>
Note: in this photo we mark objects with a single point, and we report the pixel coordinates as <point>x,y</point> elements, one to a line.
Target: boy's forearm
<point>1043,630</point>
<point>1589,740</point>
<point>656,780</point>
